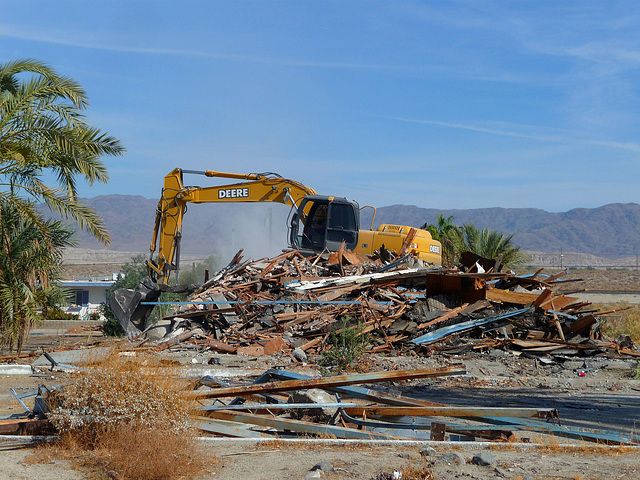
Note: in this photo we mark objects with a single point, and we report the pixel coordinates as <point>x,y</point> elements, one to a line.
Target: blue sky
<point>439,104</point>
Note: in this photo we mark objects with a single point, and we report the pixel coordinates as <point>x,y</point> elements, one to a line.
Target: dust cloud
<point>261,230</point>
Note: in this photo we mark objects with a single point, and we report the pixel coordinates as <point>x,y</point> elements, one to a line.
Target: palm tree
<point>43,130</point>
<point>30,258</point>
<point>489,244</point>
<point>445,232</point>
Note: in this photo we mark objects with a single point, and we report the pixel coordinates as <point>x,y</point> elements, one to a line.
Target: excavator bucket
<point>126,306</point>
<point>126,303</point>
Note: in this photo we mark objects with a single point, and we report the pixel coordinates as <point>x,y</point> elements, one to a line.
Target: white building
<point>86,295</point>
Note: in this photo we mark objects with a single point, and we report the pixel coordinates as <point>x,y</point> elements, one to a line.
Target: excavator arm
<point>167,231</point>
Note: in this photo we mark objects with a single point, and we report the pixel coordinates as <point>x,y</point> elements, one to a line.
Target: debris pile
<point>284,404</point>
<point>293,304</point>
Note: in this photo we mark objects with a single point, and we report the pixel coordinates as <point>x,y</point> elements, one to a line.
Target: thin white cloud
<point>629,146</point>
<point>55,39</point>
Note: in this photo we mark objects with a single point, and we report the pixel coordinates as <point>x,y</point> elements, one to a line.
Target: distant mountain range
<point>612,229</point>
<point>261,228</point>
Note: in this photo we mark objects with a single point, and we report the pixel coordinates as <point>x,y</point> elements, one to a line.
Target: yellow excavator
<point>317,223</point>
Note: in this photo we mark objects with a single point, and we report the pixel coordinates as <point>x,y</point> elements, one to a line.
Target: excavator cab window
<point>341,226</point>
<point>314,233</point>
<point>329,222</point>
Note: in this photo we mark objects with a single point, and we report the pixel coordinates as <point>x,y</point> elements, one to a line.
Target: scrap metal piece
<point>70,359</point>
<point>543,413</point>
<point>464,326</point>
<point>227,428</point>
<point>299,426</point>
<point>609,437</point>
<point>20,396</point>
<point>263,407</point>
<point>335,381</point>
<point>24,426</point>
<point>438,431</point>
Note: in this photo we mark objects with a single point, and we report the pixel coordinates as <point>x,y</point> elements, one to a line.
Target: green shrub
<point>111,327</point>
<point>346,344</point>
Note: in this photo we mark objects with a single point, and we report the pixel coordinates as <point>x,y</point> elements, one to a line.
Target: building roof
<point>86,284</point>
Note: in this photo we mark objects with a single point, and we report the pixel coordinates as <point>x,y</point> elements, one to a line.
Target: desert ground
<point>606,396</point>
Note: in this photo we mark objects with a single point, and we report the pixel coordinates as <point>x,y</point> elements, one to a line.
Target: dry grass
<point>280,444</point>
<point>554,447</point>
<point>421,471</point>
<point>599,450</point>
<point>126,419</point>
<point>625,322</point>
<point>410,471</point>
<point>130,454</point>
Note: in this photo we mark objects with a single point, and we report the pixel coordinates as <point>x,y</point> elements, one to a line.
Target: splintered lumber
<point>626,351</point>
<point>338,292</point>
<point>311,343</point>
<point>335,381</point>
<point>556,322</point>
<point>353,258</point>
<point>546,293</point>
<point>544,346</point>
<point>536,274</point>
<point>581,324</point>
<point>174,341</point>
<point>407,242</point>
<point>558,302</point>
<point>555,277</point>
<point>307,297</point>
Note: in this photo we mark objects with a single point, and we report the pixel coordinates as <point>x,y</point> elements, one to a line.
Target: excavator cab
<point>324,223</point>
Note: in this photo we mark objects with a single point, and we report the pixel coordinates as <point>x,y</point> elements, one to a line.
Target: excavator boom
<point>255,187</point>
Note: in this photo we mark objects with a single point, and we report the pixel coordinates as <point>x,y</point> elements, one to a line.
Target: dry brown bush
<point>127,417</point>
